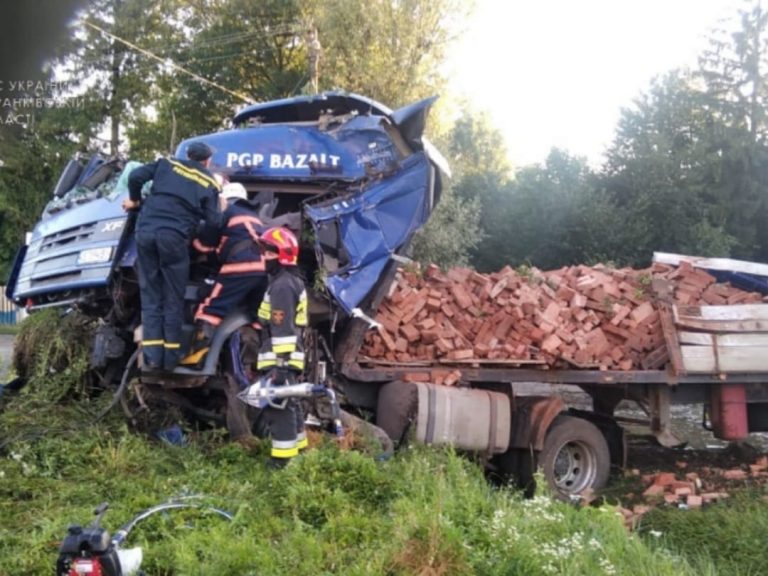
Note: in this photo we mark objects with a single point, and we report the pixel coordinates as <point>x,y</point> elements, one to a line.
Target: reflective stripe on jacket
<point>283,312</point>
<point>183,193</point>
<point>238,249</point>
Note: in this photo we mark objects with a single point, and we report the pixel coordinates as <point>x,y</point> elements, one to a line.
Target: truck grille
<point>68,236</point>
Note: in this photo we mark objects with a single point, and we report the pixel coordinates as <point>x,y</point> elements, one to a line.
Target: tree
<point>253,49</point>
<point>663,173</point>
<point>113,76</point>
<point>480,172</point>
<point>733,70</point>
<point>451,234</point>
<point>540,214</point>
<point>32,160</point>
<point>389,50</point>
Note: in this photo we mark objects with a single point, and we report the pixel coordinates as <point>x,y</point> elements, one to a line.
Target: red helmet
<point>284,241</point>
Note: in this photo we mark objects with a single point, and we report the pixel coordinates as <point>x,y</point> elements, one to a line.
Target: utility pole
<point>315,52</point>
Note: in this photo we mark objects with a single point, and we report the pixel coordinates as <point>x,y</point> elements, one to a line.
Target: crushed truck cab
<point>362,176</point>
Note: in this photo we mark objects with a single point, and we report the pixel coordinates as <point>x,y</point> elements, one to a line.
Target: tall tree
<point>540,211</point>
<point>253,49</point>
<point>663,171</point>
<point>389,50</point>
<point>32,161</point>
<point>101,62</point>
<point>734,69</point>
<point>481,172</point>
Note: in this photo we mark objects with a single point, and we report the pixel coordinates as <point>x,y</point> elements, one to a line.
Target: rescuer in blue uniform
<point>242,276</point>
<point>183,193</point>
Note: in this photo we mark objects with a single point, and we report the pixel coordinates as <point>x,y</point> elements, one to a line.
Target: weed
<point>730,534</point>
<point>318,283</point>
<point>51,351</point>
<point>425,511</point>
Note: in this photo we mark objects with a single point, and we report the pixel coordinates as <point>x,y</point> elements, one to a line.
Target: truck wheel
<point>575,456</point>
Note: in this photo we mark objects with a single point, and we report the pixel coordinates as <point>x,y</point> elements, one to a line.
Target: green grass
<point>425,512</point>
<point>731,535</point>
<point>9,329</point>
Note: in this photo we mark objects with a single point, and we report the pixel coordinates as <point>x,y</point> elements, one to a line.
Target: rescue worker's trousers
<point>282,428</point>
<point>228,292</point>
<point>286,424</point>
<point>163,273</point>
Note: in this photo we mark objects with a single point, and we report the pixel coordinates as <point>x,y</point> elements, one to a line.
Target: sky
<point>557,72</point>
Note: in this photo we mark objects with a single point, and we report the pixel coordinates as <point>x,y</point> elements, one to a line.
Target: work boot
<point>277,463</point>
<point>200,346</point>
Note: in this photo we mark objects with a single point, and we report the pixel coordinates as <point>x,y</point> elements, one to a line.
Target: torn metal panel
<point>357,236</point>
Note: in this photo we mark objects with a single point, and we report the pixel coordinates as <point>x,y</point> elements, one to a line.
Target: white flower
<point>607,567</point>
<point>654,533</point>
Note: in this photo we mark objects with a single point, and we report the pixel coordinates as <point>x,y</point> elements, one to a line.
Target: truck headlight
<point>95,255</point>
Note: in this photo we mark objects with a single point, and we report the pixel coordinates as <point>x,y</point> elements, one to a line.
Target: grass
<point>425,512</point>
<point>9,329</point>
<point>731,536</point>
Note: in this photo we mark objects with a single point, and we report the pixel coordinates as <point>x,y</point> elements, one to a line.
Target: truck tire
<point>575,456</point>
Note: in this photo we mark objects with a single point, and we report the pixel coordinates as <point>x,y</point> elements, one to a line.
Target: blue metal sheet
<point>300,152</point>
<point>309,108</point>
<point>742,280</point>
<point>96,210</point>
<point>374,225</point>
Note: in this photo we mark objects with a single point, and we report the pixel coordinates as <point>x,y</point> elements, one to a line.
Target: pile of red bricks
<point>580,316</point>
<point>693,489</point>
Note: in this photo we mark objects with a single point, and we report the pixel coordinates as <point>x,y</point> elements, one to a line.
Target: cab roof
<point>309,108</point>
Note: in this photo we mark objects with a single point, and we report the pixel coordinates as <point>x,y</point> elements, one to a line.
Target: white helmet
<point>234,190</point>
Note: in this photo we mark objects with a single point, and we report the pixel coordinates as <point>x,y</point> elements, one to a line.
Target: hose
<point>123,385</point>
<point>122,532</point>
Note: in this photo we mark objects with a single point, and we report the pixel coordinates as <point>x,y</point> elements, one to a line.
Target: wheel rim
<point>575,467</point>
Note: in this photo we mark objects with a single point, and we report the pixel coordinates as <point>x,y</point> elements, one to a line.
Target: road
<point>6,349</point>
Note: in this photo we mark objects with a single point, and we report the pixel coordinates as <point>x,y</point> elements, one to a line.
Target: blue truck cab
<point>355,179</point>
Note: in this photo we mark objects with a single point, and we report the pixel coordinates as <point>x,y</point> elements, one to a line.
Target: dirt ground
<point>648,458</point>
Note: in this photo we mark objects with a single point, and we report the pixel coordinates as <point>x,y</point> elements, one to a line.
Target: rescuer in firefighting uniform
<point>242,275</point>
<point>283,314</point>
<point>183,193</point>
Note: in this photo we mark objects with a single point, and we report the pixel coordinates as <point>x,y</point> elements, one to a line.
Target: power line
<point>200,45</point>
<point>170,63</point>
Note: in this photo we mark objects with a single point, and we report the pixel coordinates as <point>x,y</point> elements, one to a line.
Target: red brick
<point>551,343</point>
<point>410,332</point>
<point>735,474</point>
<point>444,345</point>
<point>664,479</point>
<point>552,313</point>
<point>427,324</point>
<point>453,378</point>
<point>465,354</point>
<point>653,490</point>
<point>417,377</point>
<point>642,312</point>
<point>620,312</point>
<point>461,296</point>
<point>694,501</point>
<point>387,339</point>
